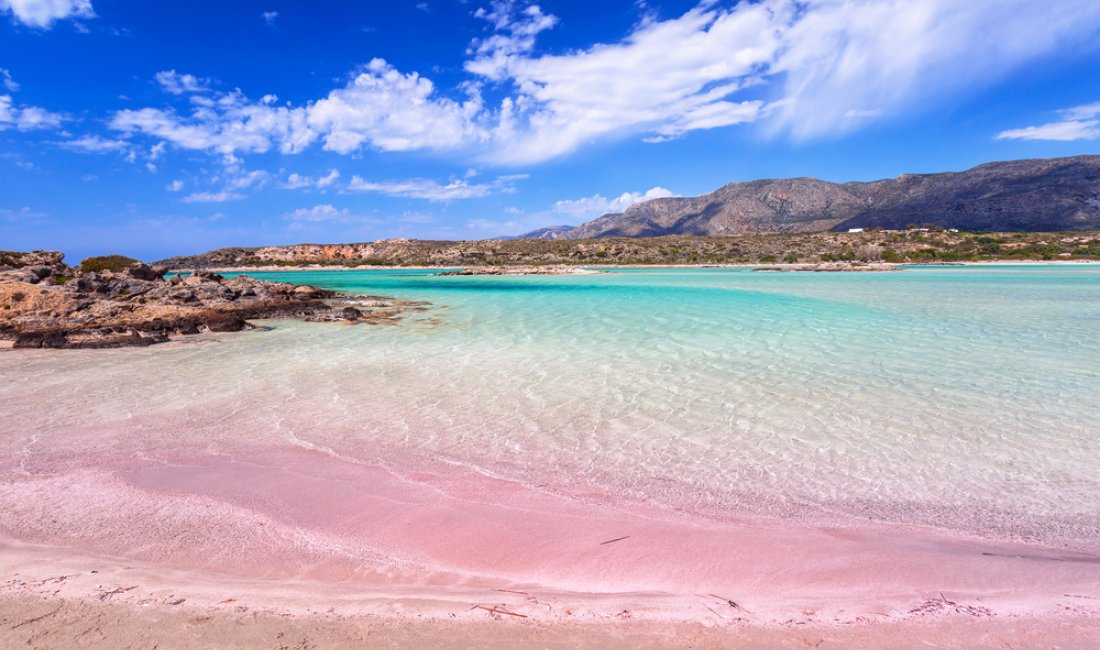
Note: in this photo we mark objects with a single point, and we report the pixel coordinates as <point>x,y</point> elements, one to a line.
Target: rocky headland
<point>117,302</point>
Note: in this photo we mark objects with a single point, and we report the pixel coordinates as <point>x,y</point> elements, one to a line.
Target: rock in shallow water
<point>136,306</point>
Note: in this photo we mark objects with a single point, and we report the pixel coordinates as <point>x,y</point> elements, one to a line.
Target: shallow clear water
<point>965,398</point>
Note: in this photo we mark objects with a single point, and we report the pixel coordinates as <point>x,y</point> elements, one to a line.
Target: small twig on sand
<point>29,621</point>
<point>509,591</point>
<point>729,601</point>
<point>617,539</point>
<point>106,595</point>
<point>497,610</point>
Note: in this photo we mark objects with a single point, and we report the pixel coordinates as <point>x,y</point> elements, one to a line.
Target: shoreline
<point>367,267</point>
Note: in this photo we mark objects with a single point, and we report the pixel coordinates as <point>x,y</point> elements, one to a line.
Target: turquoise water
<point>963,398</point>
<point>960,397</point>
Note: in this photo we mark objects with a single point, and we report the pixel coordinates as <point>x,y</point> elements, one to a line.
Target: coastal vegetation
<point>917,245</point>
<point>112,263</point>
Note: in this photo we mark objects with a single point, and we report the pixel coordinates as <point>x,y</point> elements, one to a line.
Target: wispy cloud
<point>1079,123</point>
<point>324,214</point>
<point>420,188</point>
<point>212,197</point>
<point>94,144</point>
<point>269,17</point>
<point>8,82</point>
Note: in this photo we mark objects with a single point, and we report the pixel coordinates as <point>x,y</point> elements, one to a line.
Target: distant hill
<point>550,232</point>
<point>1024,195</point>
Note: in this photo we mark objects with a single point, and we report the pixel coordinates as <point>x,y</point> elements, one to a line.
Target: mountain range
<point>1056,194</point>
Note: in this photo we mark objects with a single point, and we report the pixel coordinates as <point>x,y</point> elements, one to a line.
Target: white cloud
<point>1077,125</point>
<point>229,125</point>
<point>297,181</point>
<point>174,186</point>
<point>178,84</point>
<point>598,205</point>
<point>26,118</point>
<point>1068,131</point>
<point>515,32</point>
<point>419,188</point>
<point>42,13</point>
<point>269,17</point>
<point>814,68</point>
<point>328,179</point>
<point>325,212</point>
<point>94,144</point>
<point>245,180</point>
<point>390,111</point>
<point>1082,112</point>
<point>8,82</point>
<point>212,197</point>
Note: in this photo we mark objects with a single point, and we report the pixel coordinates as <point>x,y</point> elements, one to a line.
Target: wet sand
<point>301,543</point>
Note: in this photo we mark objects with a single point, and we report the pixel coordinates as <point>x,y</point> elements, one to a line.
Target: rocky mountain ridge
<point>1050,195</point>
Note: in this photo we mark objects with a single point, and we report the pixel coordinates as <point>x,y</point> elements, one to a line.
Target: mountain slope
<point>1024,195</point>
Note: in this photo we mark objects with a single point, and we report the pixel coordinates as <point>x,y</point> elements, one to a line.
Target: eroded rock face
<point>45,304</point>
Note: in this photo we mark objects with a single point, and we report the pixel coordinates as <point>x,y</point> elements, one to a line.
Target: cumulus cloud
<point>269,17</point>
<point>227,125</point>
<point>420,188</point>
<point>174,186</point>
<point>179,84</point>
<point>43,13</point>
<point>597,204</point>
<point>296,181</point>
<point>797,68</point>
<point>1079,123</point>
<point>391,111</point>
<point>26,118</point>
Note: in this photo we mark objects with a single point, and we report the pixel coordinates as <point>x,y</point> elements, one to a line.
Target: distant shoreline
<point>414,267</point>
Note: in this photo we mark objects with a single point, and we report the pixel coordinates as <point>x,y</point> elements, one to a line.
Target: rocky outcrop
<point>46,304</point>
<point>1020,196</point>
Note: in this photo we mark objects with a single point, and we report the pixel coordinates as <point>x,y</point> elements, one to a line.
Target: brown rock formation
<point>46,304</point>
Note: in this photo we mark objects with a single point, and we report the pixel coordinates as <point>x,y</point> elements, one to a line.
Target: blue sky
<point>177,126</point>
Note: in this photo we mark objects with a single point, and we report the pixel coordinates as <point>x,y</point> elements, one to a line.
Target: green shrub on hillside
<point>107,263</point>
